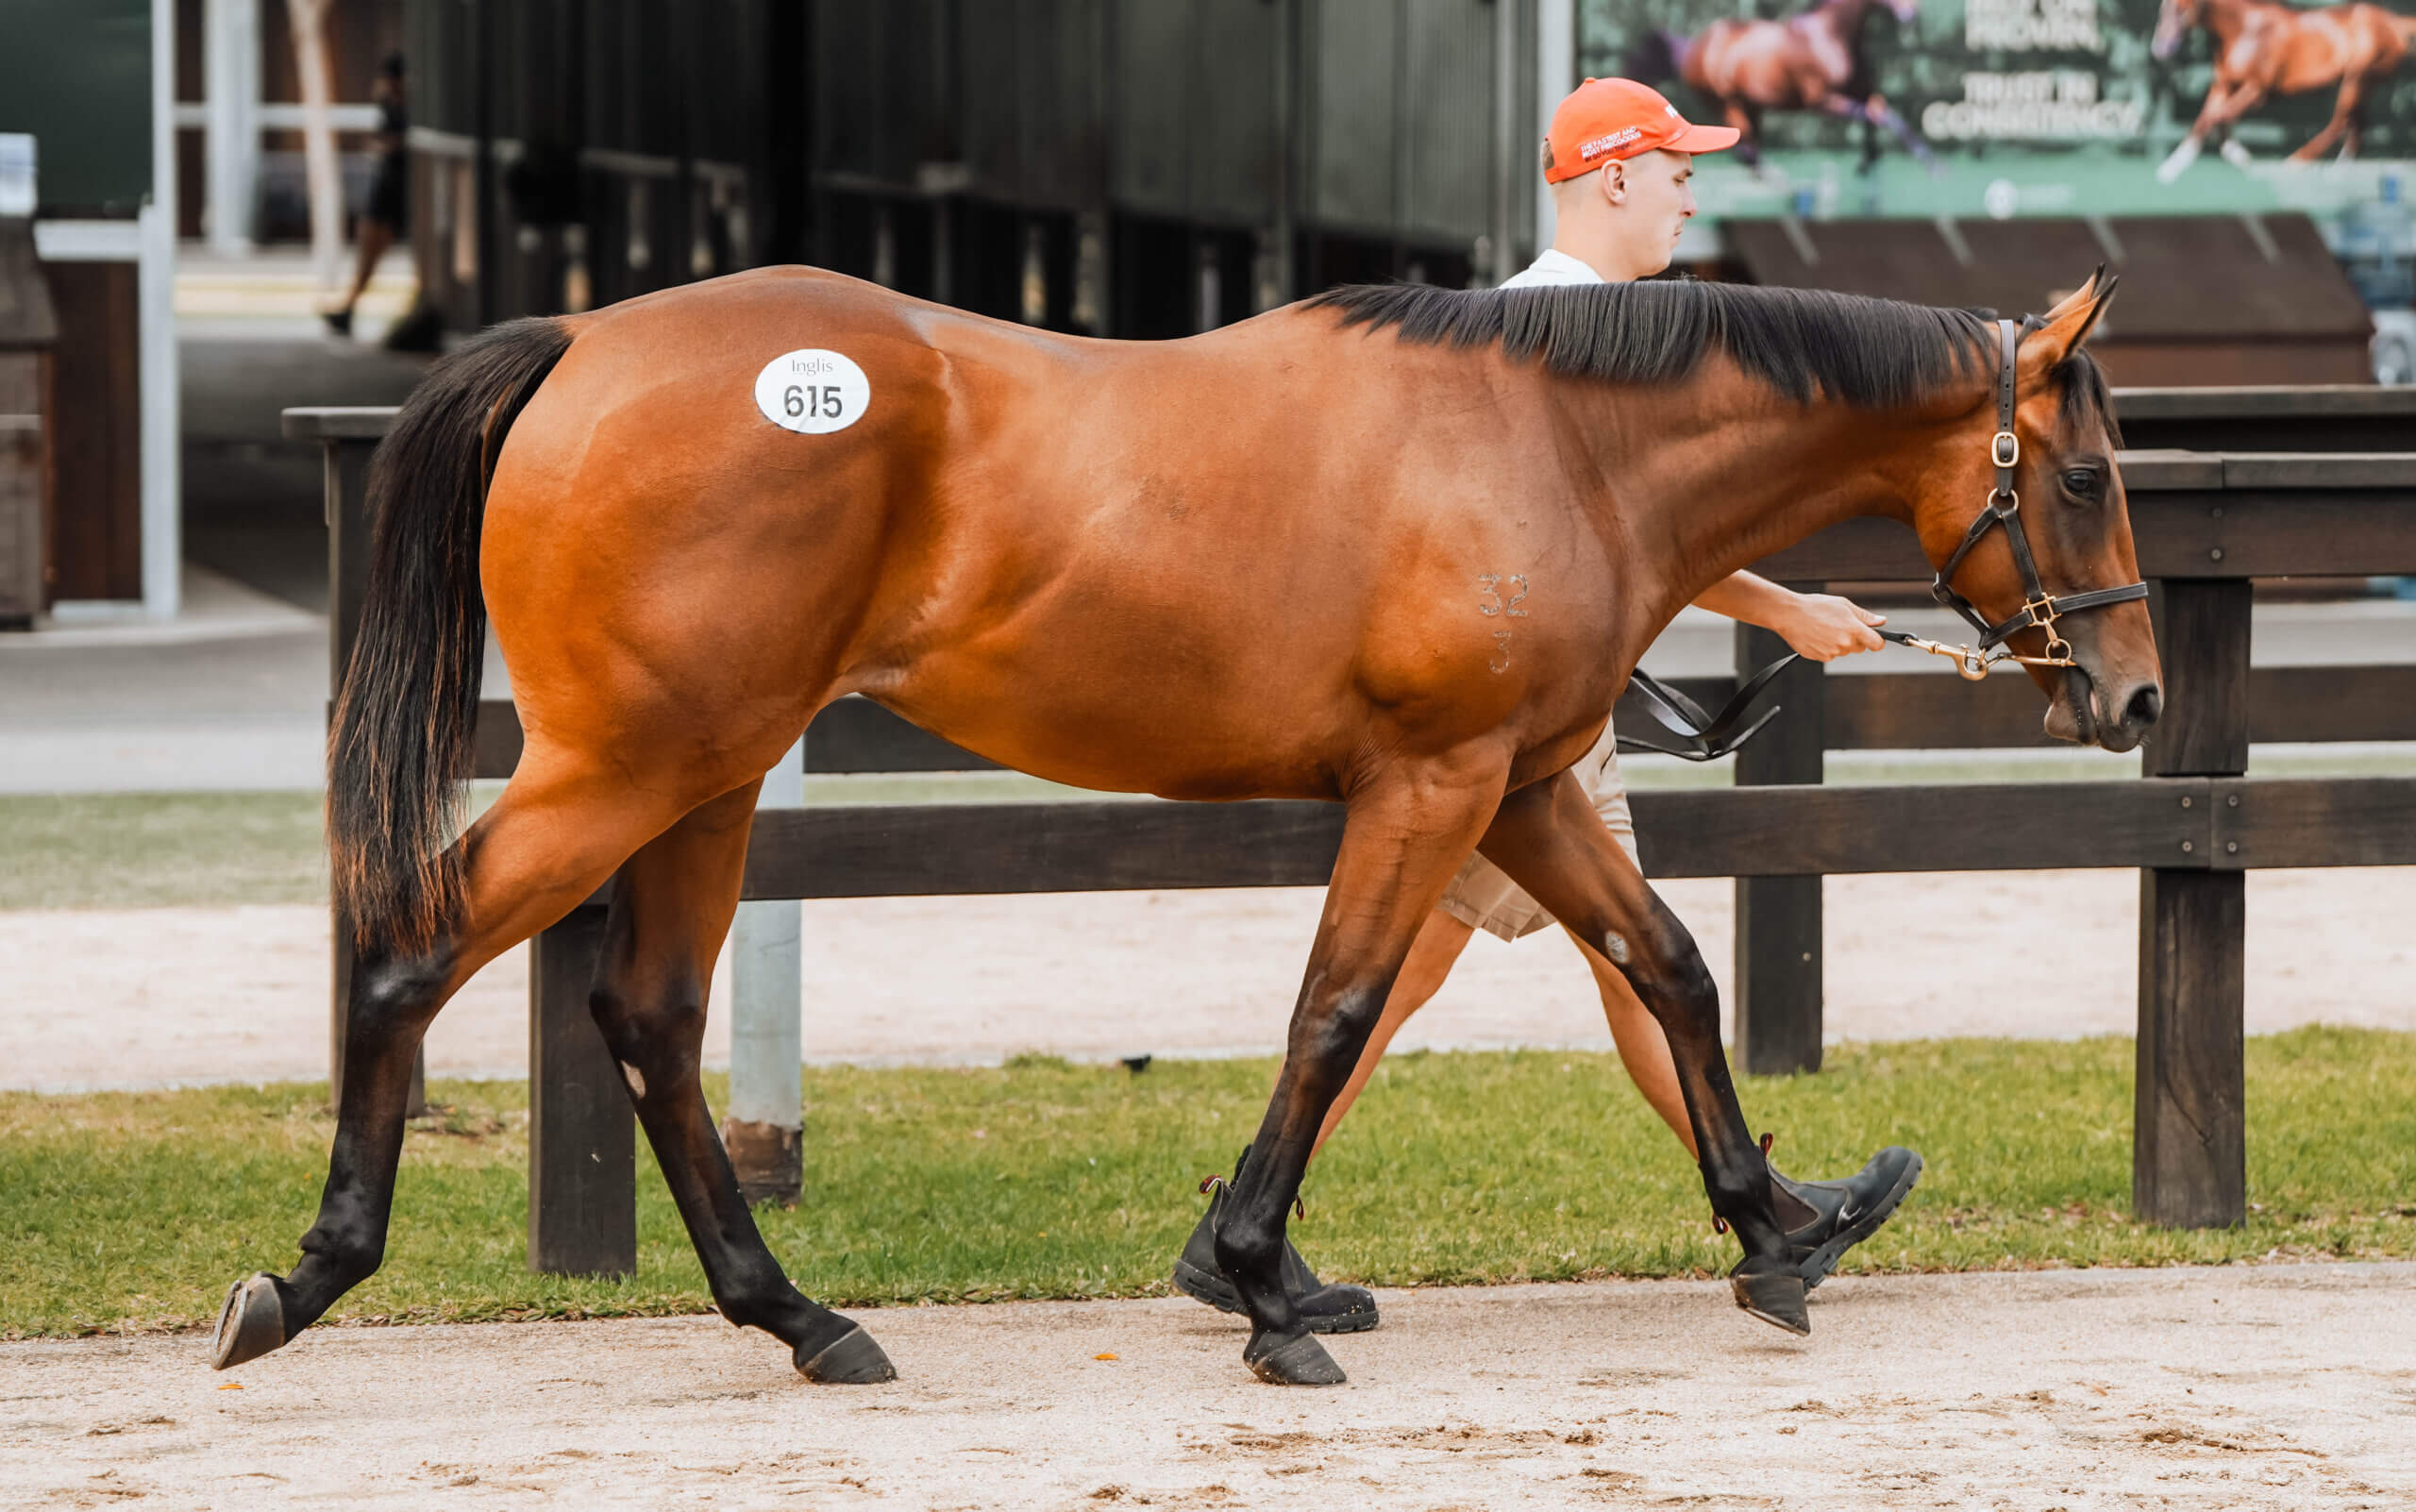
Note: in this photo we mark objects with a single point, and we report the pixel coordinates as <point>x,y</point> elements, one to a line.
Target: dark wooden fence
<point>2206,523</point>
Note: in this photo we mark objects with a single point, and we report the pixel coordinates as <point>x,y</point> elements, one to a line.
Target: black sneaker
<point>1339,1308</point>
<point>338,321</point>
<point>1844,1213</point>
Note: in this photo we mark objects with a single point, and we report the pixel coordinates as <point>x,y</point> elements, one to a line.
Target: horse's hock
<point>2225,490</point>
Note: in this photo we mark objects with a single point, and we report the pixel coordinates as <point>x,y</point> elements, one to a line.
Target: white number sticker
<point>812,392</point>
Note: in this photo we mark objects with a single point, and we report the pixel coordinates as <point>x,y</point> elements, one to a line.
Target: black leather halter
<point>2003,507</point>
<point>1704,737</point>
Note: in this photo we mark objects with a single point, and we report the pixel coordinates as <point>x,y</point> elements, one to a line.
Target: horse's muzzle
<point>2118,722</point>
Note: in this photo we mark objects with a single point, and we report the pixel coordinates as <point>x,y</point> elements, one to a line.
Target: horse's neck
<point>1693,494</point>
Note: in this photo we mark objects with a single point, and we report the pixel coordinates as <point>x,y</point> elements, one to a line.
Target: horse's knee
<point>656,1034</point>
<point>1334,1035</point>
<point>1669,974</point>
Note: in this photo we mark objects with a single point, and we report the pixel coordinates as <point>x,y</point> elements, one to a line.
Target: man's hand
<point>1823,627</point>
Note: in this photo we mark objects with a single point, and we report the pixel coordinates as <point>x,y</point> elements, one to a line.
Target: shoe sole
<point>1816,1268</point>
<point>1206,1286</point>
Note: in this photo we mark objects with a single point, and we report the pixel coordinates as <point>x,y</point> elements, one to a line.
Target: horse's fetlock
<point>754,1302</point>
<point>353,1253</point>
<point>1245,1248</point>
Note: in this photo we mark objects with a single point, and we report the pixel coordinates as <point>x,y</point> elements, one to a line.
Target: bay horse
<point>2263,49</point>
<point>1258,562</point>
<point>1810,61</point>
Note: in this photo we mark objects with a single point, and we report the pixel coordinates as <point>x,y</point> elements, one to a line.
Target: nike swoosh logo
<point>1849,1213</point>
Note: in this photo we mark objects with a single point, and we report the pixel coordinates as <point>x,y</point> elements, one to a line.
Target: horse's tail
<point>402,741</point>
<point>1657,55</point>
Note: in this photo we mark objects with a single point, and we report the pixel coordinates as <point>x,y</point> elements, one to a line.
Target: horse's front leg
<point>1550,841</point>
<point>1407,830</point>
<point>2227,102</point>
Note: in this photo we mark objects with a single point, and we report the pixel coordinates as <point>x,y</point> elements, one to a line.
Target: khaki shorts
<point>1483,897</point>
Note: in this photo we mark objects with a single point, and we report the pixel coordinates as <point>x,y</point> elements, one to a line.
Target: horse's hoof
<point>1300,1360</point>
<point>1774,1296</point>
<point>251,1324</point>
<point>854,1360</point>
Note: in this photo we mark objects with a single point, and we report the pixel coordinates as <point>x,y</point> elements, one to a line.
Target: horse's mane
<point>1801,342</point>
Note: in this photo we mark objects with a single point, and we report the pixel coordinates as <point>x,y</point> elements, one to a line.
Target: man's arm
<point>1823,626</point>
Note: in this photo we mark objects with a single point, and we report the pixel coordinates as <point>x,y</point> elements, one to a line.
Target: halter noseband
<point>2003,507</point>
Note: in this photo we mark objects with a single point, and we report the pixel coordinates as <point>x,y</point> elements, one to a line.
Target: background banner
<point>2005,108</point>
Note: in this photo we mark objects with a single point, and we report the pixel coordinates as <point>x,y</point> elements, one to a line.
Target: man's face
<point>1652,197</point>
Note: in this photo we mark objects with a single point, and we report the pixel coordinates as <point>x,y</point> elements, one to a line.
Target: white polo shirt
<point>1555,266</point>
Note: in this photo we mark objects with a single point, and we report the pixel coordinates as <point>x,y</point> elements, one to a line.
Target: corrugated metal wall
<point>1141,167</point>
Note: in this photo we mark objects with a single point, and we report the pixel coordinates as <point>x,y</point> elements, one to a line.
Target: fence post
<point>2189,1138</point>
<point>1778,918</point>
<point>345,500</point>
<point>583,1139</point>
<point>765,1129</point>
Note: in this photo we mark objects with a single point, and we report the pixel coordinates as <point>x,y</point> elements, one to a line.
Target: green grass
<point>1041,1179</point>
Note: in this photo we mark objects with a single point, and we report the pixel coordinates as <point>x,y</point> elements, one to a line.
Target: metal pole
<point>232,49</point>
<point>765,1131</point>
<point>1510,159</point>
<point>1555,75</point>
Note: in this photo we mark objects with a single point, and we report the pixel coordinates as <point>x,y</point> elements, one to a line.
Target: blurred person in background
<point>387,216</point>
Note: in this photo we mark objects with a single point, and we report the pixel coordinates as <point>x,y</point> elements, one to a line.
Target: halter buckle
<point>2041,611</point>
<point>2005,448</point>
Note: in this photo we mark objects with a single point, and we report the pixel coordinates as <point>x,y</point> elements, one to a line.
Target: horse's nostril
<point>2144,707</point>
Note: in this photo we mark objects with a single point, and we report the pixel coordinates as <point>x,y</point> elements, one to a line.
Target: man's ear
<point>2069,324</point>
<point>1615,180</point>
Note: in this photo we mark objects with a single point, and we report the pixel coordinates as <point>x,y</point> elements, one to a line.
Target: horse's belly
<point>1113,738</point>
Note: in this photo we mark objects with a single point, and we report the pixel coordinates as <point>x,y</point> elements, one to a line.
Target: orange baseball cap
<point>1609,118</point>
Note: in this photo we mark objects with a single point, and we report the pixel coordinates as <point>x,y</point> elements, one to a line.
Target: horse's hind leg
<point>670,910</point>
<point>1549,840</point>
<point>550,841</point>
<point>1399,846</point>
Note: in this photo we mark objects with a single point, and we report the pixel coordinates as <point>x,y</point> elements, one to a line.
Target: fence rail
<point>2205,524</point>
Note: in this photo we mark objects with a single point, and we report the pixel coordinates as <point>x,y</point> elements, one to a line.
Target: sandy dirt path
<point>2239,1388</point>
<point>144,997</point>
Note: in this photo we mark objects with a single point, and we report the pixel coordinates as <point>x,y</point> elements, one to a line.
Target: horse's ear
<point>2063,329</point>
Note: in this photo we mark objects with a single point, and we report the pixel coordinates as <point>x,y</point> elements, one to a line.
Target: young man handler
<point>1617,162</point>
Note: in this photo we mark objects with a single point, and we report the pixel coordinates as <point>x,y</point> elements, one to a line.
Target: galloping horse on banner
<point>1258,562</point>
<point>1812,62</point>
<point>2263,49</point>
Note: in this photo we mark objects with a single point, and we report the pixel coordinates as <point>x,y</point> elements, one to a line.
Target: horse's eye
<point>2081,482</point>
